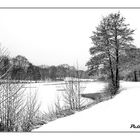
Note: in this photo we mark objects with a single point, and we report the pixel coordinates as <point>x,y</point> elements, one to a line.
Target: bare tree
<point>72,93</point>
<point>18,112</point>
<point>30,113</point>
<point>11,106</point>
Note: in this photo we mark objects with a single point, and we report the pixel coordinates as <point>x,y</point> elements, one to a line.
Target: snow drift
<point>116,114</point>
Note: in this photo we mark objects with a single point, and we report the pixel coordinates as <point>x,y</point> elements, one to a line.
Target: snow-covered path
<point>116,114</point>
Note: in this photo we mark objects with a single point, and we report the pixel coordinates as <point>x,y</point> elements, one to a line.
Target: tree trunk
<point>135,76</point>
<point>117,69</point>
<point>110,65</point>
<point>117,61</point>
<point>111,69</point>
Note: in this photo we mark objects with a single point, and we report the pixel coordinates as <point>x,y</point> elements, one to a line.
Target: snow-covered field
<point>47,93</point>
<point>116,114</point>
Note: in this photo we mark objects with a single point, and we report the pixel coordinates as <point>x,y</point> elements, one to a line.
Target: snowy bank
<point>116,114</point>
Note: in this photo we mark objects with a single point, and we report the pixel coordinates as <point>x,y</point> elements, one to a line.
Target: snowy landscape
<point>117,114</point>
<point>59,81</point>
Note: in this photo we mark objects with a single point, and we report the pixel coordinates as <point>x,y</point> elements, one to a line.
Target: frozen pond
<point>47,93</point>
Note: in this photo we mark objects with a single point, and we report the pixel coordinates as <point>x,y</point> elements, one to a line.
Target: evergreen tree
<point>111,39</point>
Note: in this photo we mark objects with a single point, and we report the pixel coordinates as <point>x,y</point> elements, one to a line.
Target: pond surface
<point>48,93</point>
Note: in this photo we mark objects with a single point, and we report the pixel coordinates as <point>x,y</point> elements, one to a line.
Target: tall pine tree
<point>111,39</point>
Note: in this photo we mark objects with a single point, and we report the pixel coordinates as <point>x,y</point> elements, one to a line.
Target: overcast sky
<point>54,37</point>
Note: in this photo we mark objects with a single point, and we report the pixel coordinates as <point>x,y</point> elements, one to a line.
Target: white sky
<point>90,3</point>
<point>54,37</point>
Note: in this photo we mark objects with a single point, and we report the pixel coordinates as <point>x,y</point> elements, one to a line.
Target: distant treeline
<point>19,68</point>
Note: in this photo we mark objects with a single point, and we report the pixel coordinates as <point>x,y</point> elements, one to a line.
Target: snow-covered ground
<point>116,114</point>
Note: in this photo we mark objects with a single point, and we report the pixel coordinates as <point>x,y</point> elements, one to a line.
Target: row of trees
<point>113,50</point>
<point>21,69</point>
<point>60,72</point>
